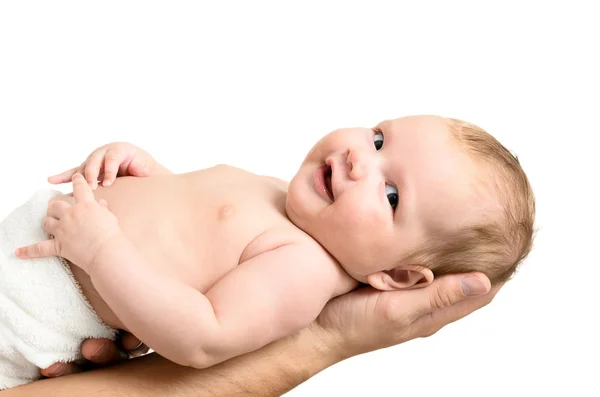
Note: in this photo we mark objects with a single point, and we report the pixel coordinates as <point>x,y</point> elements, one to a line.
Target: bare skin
<point>186,229</point>
<point>184,237</point>
<point>217,239</point>
<point>184,223</point>
<point>342,330</point>
<point>355,323</point>
<point>99,353</point>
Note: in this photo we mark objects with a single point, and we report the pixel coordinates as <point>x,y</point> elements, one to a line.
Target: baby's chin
<point>293,213</point>
<point>352,273</point>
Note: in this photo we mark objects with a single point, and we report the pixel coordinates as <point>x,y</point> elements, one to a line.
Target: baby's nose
<point>357,164</point>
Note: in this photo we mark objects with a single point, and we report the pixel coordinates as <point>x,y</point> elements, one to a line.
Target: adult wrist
<point>327,345</point>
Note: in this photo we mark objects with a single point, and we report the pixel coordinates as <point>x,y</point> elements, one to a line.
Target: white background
<point>255,84</point>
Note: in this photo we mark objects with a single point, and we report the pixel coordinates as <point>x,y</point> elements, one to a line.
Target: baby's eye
<point>392,195</point>
<point>378,140</point>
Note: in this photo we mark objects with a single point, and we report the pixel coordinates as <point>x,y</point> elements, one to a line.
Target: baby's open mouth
<point>327,176</point>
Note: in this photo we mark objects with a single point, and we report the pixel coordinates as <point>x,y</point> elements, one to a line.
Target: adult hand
<point>99,353</point>
<point>362,320</point>
<point>367,319</point>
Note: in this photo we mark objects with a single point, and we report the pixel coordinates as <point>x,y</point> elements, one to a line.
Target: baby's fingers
<point>50,225</point>
<point>37,250</point>
<point>63,177</point>
<point>81,190</point>
<point>92,169</point>
<point>57,209</point>
<point>112,162</point>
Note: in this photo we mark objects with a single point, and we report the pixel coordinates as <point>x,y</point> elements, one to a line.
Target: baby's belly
<point>174,228</point>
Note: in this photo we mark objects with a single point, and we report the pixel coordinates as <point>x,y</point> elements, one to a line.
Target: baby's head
<point>413,198</point>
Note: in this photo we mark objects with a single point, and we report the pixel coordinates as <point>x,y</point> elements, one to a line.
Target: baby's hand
<point>80,231</point>
<point>108,162</point>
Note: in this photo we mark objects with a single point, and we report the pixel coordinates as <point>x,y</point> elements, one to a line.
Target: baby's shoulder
<point>286,235</point>
<point>301,257</point>
<point>280,183</point>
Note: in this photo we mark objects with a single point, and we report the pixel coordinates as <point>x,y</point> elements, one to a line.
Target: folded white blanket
<point>44,317</point>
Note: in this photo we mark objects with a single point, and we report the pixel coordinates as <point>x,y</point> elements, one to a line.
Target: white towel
<point>44,317</point>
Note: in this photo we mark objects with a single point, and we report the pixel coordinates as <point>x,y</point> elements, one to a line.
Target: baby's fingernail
<point>18,252</point>
<point>107,183</point>
<point>472,286</point>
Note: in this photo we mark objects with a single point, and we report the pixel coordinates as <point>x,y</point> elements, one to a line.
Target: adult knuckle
<point>392,317</point>
<point>442,298</point>
<point>428,332</point>
<point>429,328</point>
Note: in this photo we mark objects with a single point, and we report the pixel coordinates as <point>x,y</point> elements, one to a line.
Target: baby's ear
<point>401,277</point>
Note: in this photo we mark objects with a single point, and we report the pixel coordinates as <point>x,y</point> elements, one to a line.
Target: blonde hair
<point>495,247</point>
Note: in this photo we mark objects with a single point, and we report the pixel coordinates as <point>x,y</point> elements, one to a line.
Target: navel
<point>226,212</point>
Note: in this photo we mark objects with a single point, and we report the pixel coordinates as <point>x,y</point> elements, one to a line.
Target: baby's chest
<point>203,246</point>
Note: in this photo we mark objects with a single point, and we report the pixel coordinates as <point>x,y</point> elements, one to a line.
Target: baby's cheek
<point>364,215</point>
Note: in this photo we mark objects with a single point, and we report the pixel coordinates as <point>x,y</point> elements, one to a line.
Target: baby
<point>211,264</point>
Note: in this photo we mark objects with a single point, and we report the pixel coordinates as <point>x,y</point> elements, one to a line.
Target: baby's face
<point>371,196</point>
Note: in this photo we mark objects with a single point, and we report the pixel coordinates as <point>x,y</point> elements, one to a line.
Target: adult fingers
<point>81,190</point>
<point>133,345</point>
<point>448,290</point>
<point>102,351</point>
<point>60,369</point>
<point>434,320</point>
<point>37,250</point>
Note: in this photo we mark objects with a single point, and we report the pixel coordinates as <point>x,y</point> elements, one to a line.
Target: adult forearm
<point>268,372</point>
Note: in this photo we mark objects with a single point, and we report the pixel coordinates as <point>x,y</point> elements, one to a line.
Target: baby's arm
<point>263,299</point>
<point>266,297</point>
